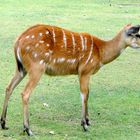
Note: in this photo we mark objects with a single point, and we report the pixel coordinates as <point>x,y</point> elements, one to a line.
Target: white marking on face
<point>32,36</point>
<point>27,37</point>
<point>64,38</point>
<point>73,41</point>
<point>27,48</point>
<point>41,41</point>
<point>82,42</point>
<point>41,62</point>
<point>91,50</point>
<point>47,45</point>
<point>53,32</point>
<point>40,34</point>
<point>36,45</point>
<point>47,32</point>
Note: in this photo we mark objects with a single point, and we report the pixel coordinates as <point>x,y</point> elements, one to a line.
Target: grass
<point>114,102</point>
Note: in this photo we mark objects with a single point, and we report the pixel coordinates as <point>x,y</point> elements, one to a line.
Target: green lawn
<point>114,103</point>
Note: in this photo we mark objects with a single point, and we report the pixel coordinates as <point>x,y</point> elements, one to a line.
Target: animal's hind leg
<point>14,82</point>
<point>34,77</point>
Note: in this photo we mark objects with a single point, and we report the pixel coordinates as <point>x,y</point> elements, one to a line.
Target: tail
<point>20,66</point>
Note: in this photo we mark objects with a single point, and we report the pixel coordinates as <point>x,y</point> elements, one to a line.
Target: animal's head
<point>132,36</point>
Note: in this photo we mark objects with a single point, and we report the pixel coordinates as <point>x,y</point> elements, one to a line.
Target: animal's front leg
<point>84,83</point>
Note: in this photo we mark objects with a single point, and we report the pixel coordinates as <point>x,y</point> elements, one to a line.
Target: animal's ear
<point>133,30</point>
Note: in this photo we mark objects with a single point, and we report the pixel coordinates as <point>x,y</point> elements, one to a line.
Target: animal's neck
<point>110,50</point>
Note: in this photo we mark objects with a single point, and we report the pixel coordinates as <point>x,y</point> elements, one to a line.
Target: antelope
<point>56,51</point>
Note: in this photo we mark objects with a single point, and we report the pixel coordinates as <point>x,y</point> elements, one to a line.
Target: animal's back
<point>59,50</point>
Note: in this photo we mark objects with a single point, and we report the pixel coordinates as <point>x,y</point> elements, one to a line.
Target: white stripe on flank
<point>91,50</point>
<point>85,42</point>
<point>73,41</point>
<point>91,41</point>
<point>82,42</point>
<point>71,60</point>
<point>64,38</point>
<point>54,60</point>
<point>91,60</point>
<point>61,59</point>
<point>53,34</point>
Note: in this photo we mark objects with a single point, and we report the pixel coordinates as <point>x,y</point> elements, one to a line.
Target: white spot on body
<point>41,41</point>
<point>47,45</point>
<point>41,62</point>
<point>47,54</point>
<point>64,38</point>
<point>36,45</point>
<point>53,34</point>
<point>47,32</point>
<point>82,42</point>
<point>40,34</point>
<point>34,54</point>
<point>27,37</point>
<point>32,36</point>
<point>27,48</point>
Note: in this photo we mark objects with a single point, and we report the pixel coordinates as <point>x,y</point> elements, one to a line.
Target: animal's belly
<point>61,69</point>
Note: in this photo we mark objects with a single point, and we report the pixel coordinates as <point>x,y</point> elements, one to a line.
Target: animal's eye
<point>138,35</point>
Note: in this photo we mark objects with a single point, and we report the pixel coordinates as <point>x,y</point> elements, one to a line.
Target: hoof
<point>88,122</point>
<point>84,125</point>
<point>3,124</point>
<point>28,131</point>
